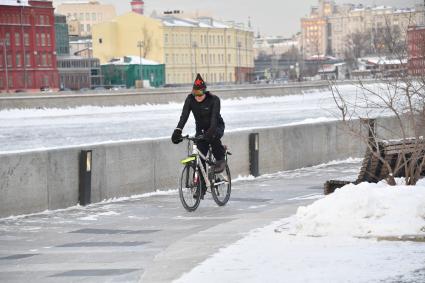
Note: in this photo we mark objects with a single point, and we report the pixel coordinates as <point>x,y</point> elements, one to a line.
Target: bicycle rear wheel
<point>222,187</point>
<point>190,185</point>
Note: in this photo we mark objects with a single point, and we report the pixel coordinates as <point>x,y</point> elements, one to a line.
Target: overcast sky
<point>270,17</point>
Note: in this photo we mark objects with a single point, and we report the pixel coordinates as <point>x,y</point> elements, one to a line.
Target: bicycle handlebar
<point>194,139</point>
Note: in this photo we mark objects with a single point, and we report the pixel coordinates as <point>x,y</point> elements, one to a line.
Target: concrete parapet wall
<point>36,181</point>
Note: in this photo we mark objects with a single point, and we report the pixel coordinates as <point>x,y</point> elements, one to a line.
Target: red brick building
<point>27,44</point>
<point>416,50</point>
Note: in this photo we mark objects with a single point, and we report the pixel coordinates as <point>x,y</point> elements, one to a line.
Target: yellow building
<point>83,15</point>
<point>221,52</point>
<point>314,30</point>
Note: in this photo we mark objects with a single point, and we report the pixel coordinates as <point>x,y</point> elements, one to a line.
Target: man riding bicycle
<point>206,109</point>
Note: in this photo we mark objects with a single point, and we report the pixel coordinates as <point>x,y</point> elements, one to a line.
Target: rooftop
<point>203,22</point>
<point>130,60</point>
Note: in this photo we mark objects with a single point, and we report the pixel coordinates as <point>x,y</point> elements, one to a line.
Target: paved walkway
<point>149,239</point>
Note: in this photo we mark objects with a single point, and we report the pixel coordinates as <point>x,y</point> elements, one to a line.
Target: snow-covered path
<point>150,237</point>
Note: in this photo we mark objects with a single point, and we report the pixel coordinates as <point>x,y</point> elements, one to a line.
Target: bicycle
<point>194,176</point>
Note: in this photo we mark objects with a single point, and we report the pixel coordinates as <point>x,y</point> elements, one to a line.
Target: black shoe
<point>204,190</point>
<point>220,165</point>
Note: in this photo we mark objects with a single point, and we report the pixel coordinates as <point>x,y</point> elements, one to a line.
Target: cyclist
<point>206,109</point>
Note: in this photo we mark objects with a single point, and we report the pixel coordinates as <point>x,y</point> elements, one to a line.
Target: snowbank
<point>364,210</point>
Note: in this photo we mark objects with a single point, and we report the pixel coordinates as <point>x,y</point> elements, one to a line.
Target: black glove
<point>177,136</point>
<point>210,134</point>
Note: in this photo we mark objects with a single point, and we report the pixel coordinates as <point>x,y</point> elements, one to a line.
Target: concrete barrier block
<point>166,160</point>
<point>23,183</point>
<point>272,153</point>
<point>98,180</point>
<point>238,143</point>
<point>62,178</point>
<point>128,169</point>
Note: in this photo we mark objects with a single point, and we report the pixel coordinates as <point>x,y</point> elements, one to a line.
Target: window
<point>18,60</point>
<point>43,39</point>
<point>9,60</point>
<point>48,39</point>
<point>28,60</point>
<point>49,59</point>
<point>7,39</point>
<point>45,81</point>
<point>229,58</point>
<point>44,59</point>
<point>47,21</point>
<point>88,28</point>
<point>87,16</point>
<point>27,39</point>
<point>100,41</point>
<point>17,39</point>
<point>93,16</point>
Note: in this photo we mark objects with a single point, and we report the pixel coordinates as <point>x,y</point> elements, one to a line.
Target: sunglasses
<point>198,92</point>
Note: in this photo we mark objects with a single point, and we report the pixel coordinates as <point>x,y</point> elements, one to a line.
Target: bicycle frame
<point>199,157</point>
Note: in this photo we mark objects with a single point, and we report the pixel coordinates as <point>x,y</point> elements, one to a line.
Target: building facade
<point>314,29</point>
<point>126,71</point>
<point>61,35</point>
<point>275,45</point>
<point>416,50</point>
<point>83,15</point>
<point>217,50</point>
<point>79,73</point>
<point>332,29</point>
<point>370,27</point>
<point>27,46</point>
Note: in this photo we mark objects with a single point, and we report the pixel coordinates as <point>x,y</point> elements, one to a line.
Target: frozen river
<point>22,130</point>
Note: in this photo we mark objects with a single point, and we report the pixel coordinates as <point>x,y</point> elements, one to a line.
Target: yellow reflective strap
<point>187,160</point>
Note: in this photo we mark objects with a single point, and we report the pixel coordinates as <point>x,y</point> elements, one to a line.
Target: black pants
<point>216,145</point>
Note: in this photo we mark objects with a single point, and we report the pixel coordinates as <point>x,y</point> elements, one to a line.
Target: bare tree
<point>358,44</point>
<point>147,42</point>
<point>401,96</point>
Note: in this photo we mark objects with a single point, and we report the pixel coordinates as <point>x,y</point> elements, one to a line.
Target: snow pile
<point>364,210</point>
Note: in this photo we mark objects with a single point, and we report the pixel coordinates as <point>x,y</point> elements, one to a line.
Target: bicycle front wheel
<point>189,191</point>
<point>222,187</point>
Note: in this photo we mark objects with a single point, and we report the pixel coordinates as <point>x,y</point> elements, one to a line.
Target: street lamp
<point>195,45</point>
<point>3,43</point>
<point>141,44</point>
<point>239,62</point>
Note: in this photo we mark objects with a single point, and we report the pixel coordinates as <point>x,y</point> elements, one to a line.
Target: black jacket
<point>206,113</point>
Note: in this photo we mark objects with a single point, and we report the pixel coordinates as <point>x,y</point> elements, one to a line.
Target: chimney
<point>137,6</point>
